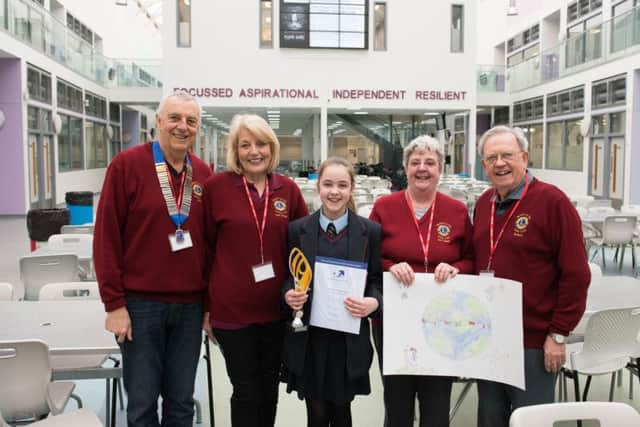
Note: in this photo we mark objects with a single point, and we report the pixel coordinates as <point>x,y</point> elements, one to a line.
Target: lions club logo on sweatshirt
<point>196,190</point>
<point>444,232</point>
<point>280,207</point>
<point>522,222</point>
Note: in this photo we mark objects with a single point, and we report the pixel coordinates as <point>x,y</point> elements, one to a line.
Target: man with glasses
<point>527,230</point>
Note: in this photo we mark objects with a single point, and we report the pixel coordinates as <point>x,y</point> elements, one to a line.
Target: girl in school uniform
<point>326,367</point>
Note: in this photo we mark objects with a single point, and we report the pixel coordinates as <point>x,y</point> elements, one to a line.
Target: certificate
<point>333,281</point>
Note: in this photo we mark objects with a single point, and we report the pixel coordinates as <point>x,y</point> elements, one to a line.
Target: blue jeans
<point>161,361</point>
<point>497,401</point>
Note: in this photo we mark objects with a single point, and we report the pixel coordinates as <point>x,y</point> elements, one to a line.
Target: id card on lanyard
<point>181,239</point>
<point>493,245</point>
<point>264,270</point>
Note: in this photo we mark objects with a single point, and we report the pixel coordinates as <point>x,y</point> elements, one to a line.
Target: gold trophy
<point>301,271</point>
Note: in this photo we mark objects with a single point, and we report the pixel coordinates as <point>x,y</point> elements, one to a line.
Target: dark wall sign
<point>332,24</point>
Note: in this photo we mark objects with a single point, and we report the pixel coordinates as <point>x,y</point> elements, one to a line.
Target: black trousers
<point>434,396</point>
<point>252,355</point>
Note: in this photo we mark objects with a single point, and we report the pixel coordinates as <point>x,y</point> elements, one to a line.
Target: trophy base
<point>302,328</point>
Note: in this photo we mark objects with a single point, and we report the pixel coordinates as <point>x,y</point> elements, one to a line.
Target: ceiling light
<point>360,113</point>
<point>297,132</point>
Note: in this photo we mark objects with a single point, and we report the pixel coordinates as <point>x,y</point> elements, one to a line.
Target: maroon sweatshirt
<point>542,248</point>
<point>235,300</point>
<point>131,250</point>
<point>450,236</point>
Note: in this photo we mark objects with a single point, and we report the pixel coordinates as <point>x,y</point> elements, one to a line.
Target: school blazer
<point>363,246</point>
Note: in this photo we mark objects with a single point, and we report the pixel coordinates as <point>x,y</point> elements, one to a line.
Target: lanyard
<point>174,205</point>
<point>255,215</point>
<point>494,245</point>
<point>180,191</point>
<point>425,247</point>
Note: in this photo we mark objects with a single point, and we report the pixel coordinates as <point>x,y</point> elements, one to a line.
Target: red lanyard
<point>425,247</point>
<point>178,199</point>
<point>494,245</point>
<point>255,215</point>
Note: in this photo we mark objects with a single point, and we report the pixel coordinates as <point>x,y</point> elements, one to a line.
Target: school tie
<point>331,230</point>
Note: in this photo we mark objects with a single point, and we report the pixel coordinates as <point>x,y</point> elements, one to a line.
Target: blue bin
<point>80,205</point>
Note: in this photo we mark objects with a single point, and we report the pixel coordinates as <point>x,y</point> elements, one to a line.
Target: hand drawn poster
<point>469,326</point>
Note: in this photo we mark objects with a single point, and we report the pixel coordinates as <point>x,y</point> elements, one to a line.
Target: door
<point>41,188</point>
<point>606,170</point>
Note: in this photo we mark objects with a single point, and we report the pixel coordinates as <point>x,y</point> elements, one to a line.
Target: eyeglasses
<point>506,157</point>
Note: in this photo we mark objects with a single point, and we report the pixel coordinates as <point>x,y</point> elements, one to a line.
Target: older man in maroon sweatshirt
<point>527,230</point>
<point>149,255</point>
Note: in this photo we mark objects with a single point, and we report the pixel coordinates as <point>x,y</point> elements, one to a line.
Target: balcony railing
<point>490,78</point>
<point>36,27</point>
<point>604,43</point>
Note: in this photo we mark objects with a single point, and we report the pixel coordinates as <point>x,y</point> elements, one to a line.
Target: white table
<point>68,328</point>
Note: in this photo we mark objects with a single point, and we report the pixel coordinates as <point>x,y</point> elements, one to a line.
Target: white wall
<point>225,53</point>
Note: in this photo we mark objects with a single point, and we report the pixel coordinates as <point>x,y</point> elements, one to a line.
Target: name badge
<point>489,273</point>
<point>263,272</point>
<point>179,243</point>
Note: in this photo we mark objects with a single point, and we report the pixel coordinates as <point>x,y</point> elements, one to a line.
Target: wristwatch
<point>559,339</point>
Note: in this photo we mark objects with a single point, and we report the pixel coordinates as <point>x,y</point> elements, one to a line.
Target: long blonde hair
<point>340,161</point>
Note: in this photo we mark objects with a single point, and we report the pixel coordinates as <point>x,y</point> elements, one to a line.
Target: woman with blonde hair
<point>247,211</point>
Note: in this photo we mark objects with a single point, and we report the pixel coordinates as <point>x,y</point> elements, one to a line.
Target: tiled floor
<point>367,410</point>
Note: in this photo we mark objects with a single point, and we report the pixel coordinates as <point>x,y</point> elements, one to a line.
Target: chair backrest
<point>76,229</point>
<point>79,244</point>
<point>611,337</point>
<point>36,270</point>
<point>609,414</point>
<point>596,271</point>
<point>25,373</point>
<point>600,203</point>
<point>365,210</point>
<point>6,291</point>
<point>618,230</point>
<point>601,210</point>
<point>69,291</point>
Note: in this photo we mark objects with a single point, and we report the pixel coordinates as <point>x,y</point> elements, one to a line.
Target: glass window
<point>618,91</point>
<point>70,150</point>
<point>536,142</point>
<point>96,145</point>
<point>574,146</point>
<point>599,124</point>
<point>114,112</point>
<point>380,22</point>
<point>69,97</point>
<point>617,122</point>
<point>32,118</point>
<point>457,28</point>
<point>116,141</point>
<point>184,23</point>
<point>266,24</point>
<point>555,137</point>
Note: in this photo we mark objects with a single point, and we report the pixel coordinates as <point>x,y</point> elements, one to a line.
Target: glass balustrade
<point>603,43</point>
<point>490,78</point>
<point>36,27</point>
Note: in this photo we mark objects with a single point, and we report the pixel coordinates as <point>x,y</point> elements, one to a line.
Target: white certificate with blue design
<point>333,281</point>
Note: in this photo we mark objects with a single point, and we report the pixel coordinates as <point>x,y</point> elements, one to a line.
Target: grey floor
<point>367,410</point>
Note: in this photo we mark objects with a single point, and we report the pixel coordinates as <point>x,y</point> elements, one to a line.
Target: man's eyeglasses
<point>506,157</point>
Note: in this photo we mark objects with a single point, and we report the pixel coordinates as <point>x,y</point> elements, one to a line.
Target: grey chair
<point>618,232</point>
<point>67,364</point>
<point>37,270</point>
<point>27,391</point>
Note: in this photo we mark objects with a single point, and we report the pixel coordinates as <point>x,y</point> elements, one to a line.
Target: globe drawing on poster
<point>470,326</point>
<point>457,325</point>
